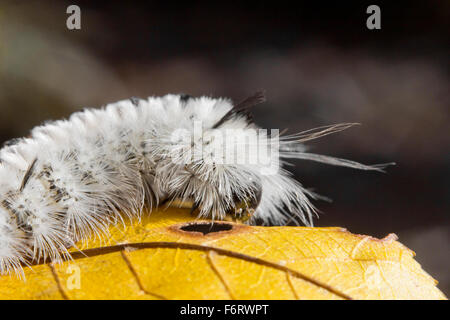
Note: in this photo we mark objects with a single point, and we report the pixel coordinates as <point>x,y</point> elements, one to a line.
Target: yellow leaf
<point>170,255</point>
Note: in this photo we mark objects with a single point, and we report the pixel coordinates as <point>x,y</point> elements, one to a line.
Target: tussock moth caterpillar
<point>73,178</point>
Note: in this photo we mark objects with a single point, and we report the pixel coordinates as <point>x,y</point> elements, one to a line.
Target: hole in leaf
<point>206,228</point>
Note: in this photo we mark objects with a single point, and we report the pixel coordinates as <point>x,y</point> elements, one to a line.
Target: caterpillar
<point>71,179</point>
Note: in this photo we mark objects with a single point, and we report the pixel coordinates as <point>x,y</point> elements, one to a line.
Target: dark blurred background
<point>318,63</point>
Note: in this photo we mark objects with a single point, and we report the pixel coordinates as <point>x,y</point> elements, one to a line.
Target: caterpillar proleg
<point>71,179</point>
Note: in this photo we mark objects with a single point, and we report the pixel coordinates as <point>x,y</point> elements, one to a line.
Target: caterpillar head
<point>212,153</point>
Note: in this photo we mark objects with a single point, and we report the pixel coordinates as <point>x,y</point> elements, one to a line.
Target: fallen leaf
<point>171,255</point>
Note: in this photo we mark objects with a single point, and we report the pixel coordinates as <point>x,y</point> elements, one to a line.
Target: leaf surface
<point>164,257</point>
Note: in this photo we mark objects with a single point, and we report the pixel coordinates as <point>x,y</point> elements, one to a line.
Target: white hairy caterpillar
<point>73,178</point>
